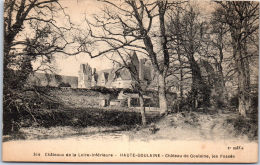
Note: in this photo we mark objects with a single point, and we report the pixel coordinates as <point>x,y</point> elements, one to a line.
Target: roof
<point>124,74</point>
<point>112,74</point>
<point>43,79</point>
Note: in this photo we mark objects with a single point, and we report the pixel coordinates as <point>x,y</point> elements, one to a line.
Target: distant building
<point>85,76</point>
<point>117,77</point>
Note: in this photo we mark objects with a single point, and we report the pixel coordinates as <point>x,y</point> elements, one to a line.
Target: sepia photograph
<point>170,81</point>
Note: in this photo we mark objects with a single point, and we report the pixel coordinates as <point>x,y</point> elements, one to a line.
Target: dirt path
<point>214,127</point>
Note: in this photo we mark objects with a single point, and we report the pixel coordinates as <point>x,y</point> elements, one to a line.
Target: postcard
<point>130,81</point>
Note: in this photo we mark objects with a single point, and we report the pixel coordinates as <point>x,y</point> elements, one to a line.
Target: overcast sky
<point>70,65</point>
<point>77,9</point>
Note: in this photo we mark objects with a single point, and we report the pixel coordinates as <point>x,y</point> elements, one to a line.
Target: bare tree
<point>242,20</point>
<point>178,62</point>
<point>31,32</point>
<point>138,25</point>
<point>219,44</point>
<point>188,35</point>
<point>126,61</point>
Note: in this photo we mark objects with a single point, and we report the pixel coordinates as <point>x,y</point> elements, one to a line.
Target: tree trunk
<point>181,85</point>
<point>223,92</point>
<point>181,73</point>
<point>243,105</point>
<point>196,76</point>
<point>141,99</point>
<point>162,94</point>
<point>200,90</point>
<point>243,82</point>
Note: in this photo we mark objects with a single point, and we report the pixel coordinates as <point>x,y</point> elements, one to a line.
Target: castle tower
<point>103,79</point>
<point>135,62</point>
<point>141,69</point>
<point>85,76</point>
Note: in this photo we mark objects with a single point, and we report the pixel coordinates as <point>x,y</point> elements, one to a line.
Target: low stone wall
<point>78,97</point>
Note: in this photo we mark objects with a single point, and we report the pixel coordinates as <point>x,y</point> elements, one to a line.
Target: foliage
<point>105,90</point>
<point>254,103</point>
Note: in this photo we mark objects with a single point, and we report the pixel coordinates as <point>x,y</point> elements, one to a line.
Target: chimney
<point>94,70</point>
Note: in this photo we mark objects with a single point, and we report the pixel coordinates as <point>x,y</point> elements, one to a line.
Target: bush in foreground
<point>85,117</point>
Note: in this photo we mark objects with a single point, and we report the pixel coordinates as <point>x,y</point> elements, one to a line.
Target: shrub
<point>104,90</point>
<point>83,117</point>
<point>24,104</point>
<point>244,126</point>
<point>62,84</point>
<point>254,101</point>
<point>234,101</point>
